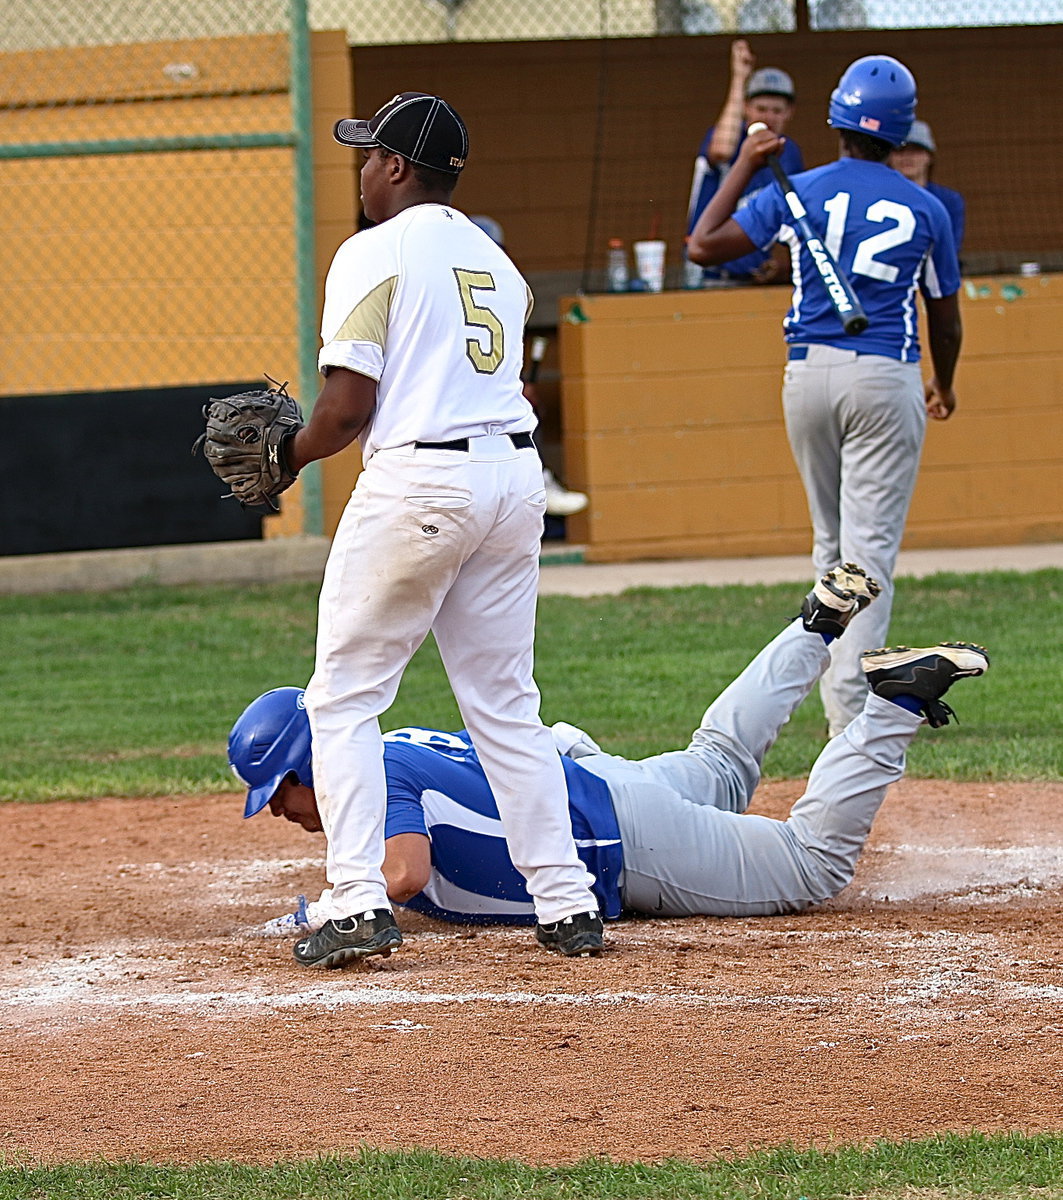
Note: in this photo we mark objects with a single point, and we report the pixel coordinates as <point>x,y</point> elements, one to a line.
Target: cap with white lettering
<point>770,81</point>
<point>422,128</point>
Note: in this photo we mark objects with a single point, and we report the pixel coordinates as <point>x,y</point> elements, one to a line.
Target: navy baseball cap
<point>422,128</point>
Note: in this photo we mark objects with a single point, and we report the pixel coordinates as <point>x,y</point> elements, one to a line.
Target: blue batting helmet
<point>270,740</point>
<point>876,96</point>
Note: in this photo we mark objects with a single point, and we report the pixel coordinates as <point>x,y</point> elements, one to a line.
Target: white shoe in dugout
<point>560,502</point>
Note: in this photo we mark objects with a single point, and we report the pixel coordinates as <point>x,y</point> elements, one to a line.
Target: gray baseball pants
<point>688,848</point>
<point>856,424</point>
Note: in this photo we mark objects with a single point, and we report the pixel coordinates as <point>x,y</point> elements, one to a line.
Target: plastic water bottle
<point>616,274</point>
<point>693,273</point>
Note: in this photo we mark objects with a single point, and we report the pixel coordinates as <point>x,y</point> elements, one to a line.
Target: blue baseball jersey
<point>437,787</point>
<point>707,180</point>
<point>890,236</point>
<point>955,207</point>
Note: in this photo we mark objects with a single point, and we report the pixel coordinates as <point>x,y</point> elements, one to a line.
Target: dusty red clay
<point>142,1017</point>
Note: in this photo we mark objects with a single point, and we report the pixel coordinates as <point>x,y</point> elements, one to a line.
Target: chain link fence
<point>149,223</point>
<point>406,21</point>
<point>156,207</point>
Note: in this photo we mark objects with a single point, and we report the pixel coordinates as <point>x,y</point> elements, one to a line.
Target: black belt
<point>797,353</point>
<point>522,441</point>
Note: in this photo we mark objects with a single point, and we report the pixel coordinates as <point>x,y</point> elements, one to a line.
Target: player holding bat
<point>854,402</point>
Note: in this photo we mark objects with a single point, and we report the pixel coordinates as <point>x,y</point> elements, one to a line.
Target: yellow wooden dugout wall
<point>133,269</point>
<point>671,413</point>
<point>158,269</point>
<point>673,424</point>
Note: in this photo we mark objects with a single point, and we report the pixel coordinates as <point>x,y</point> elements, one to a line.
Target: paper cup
<point>649,264</point>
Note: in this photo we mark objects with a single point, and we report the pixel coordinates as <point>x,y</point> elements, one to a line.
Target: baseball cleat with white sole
<point>925,673</point>
<point>578,936</point>
<point>343,941</point>
<point>837,598</point>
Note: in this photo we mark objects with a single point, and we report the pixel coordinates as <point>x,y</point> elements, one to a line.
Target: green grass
<point>1004,1166</point>
<point>133,692</point>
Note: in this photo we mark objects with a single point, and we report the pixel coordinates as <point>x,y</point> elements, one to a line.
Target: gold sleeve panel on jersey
<point>368,320</point>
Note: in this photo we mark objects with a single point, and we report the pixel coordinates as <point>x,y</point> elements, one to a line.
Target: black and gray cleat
<point>926,673</point>
<point>837,598</point>
<point>580,935</point>
<point>342,941</point>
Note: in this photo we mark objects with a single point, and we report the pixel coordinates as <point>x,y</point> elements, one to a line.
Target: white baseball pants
<point>856,424</point>
<point>446,541</point>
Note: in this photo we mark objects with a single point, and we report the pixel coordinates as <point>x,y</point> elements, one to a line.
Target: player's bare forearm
<point>341,411</point>
<point>945,336</point>
<point>716,238</point>
<point>728,128</point>
<point>407,865</point>
<point>725,135</point>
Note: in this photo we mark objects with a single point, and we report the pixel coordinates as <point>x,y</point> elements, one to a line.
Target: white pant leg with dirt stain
<point>444,541</point>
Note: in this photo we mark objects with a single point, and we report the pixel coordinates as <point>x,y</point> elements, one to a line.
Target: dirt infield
<point>142,1017</point>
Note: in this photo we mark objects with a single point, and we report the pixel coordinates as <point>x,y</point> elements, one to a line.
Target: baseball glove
<point>244,443</point>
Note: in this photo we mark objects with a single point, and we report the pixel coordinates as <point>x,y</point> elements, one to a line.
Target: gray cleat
<point>837,598</point>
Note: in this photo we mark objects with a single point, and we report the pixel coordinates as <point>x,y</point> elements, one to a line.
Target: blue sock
<point>912,703</point>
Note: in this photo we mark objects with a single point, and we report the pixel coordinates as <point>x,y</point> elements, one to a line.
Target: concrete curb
<point>244,562</point>
<point>303,558</point>
<point>204,563</point>
<point>591,579</point>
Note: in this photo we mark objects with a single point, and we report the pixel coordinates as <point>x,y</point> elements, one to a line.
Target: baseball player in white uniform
<point>422,333</point>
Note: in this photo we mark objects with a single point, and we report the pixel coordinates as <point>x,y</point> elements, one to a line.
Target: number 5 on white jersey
<point>484,360</point>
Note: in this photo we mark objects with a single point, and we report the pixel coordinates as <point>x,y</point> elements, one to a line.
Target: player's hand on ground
<point>940,402</point>
<point>293,924</point>
<point>743,59</point>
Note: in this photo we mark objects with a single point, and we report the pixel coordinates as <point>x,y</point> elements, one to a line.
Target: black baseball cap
<point>422,128</point>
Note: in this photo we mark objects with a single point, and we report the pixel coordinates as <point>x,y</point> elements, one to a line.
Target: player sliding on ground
<point>665,835</point>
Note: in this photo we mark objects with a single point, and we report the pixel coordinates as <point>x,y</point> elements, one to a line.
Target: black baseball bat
<point>839,289</point>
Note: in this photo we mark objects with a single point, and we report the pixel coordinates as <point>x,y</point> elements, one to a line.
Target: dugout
<point>174,273</point>
<point>670,413</point>
<point>684,452</point>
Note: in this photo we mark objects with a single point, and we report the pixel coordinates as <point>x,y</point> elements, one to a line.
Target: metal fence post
<point>305,266</point>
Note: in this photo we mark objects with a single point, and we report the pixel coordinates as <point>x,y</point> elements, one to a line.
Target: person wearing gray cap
<point>915,160</point>
<point>422,349</point>
<point>764,95</point>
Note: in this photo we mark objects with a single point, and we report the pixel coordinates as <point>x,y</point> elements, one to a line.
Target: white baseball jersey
<point>431,282</point>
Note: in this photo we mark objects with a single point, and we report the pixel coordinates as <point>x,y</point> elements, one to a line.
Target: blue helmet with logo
<point>876,96</point>
<point>270,740</point>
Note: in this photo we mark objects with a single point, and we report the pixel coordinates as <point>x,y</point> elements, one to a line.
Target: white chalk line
<point>96,984</point>
<point>966,875</point>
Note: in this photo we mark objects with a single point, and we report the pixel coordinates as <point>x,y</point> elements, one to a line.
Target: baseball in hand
<point>756,127</point>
